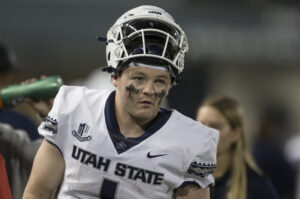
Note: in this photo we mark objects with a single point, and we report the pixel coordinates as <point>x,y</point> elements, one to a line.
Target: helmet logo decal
<point>154,12</point>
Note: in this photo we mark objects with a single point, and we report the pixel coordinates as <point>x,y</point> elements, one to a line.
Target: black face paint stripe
<point>132,89</point>
<point>161,94</point>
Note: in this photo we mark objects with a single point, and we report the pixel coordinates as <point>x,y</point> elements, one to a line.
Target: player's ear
<point>115,79</point>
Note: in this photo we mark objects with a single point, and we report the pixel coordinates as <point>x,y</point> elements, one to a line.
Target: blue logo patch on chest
<point>80,134</point>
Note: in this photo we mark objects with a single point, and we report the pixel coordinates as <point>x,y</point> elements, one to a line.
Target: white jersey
<point>181,151</point>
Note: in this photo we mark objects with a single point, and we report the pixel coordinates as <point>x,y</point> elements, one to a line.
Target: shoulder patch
<point>201,169</point>
<point>50,124</point>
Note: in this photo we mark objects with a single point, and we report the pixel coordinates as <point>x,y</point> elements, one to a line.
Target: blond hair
<point>241,156</point>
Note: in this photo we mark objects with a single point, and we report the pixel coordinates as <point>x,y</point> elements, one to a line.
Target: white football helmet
<point>146,33</point>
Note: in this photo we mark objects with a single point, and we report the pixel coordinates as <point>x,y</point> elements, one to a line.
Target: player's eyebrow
<point>163,76</point>
<point>137,73</point>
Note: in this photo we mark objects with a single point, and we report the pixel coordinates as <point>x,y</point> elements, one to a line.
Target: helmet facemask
<point>151,39</point>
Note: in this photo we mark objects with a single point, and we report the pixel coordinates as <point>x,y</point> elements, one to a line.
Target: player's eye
<point>138,78</point>
<point>160,81</point>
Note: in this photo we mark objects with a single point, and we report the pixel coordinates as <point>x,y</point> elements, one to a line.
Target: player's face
<point>211,117</point>
<point>142,90</point>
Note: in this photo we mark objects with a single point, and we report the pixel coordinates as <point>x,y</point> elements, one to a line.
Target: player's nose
<point>149,88</point>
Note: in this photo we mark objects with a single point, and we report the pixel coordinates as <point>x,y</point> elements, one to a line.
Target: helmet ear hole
<point>119,37</point>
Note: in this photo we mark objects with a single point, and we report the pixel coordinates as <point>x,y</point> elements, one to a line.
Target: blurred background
<point>246,49</point>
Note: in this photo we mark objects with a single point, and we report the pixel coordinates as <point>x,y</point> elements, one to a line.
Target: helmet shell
<point>164,25</point>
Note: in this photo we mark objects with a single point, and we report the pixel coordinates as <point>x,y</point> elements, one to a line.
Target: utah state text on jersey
<point>121,169</point>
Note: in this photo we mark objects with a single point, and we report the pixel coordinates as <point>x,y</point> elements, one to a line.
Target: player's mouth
<point>146,103</point>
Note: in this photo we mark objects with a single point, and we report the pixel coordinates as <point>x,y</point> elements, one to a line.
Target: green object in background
<point>13,95</point>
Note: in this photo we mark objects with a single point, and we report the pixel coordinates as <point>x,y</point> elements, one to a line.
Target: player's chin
<point>147,113</point>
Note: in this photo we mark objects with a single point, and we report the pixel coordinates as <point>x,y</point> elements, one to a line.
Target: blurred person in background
<point>19,138</point>
<point>18,152</point>
<point>4,185</point>
<point>237,175</point>
<point>268,149</point>
<point>292,152</point>
<point>9,116</point>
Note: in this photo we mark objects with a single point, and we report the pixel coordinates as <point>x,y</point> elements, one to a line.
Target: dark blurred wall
<point>189,93</point>
<point>60,36</point>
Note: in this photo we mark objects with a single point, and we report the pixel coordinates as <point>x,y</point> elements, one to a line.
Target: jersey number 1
<point>108,189</point>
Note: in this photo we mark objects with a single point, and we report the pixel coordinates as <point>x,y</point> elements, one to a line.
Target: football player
<point>122,144</point>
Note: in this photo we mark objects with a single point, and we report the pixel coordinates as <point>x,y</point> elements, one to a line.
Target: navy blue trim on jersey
<point>121,143</point>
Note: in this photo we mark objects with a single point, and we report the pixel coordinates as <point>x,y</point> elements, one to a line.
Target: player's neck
<point>130,126</point>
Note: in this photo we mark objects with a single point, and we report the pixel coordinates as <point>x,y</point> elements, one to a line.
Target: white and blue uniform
<point>101,163</point>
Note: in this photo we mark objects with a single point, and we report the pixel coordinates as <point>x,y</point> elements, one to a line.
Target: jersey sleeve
<point>49,128</point>
<point>203,164</point>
